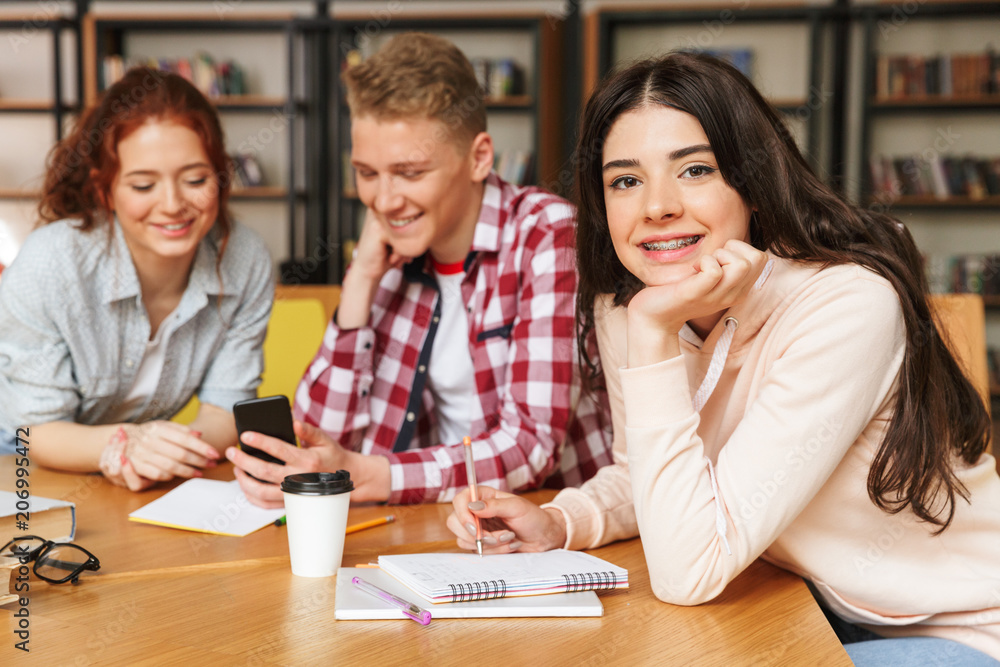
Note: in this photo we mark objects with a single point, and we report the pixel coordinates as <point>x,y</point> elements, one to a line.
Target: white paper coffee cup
<point>316,505</point>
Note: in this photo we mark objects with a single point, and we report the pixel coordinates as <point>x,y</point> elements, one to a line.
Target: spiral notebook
<point>353,604</point>
<point>462,577</point>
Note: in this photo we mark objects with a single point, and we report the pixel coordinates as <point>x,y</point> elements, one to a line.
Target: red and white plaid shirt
<point>367,387</point>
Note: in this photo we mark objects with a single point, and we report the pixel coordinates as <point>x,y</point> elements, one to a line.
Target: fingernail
<point>514,546</point>
<point>211,463</point>
<point>197,473</point>
<point>490,540</point>
<point>477,506</point>
<point>506,537</point>
<point>472,529</point>
<point>196,434</point>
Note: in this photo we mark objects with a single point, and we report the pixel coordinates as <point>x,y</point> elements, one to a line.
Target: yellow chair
<point>294,334</point>
<point>328,295</point>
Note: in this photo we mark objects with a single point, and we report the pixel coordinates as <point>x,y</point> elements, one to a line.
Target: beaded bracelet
<point>113,457</point>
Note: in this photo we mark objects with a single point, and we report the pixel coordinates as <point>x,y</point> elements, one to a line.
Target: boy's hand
<point>319,453</point>
<point>373,257</point>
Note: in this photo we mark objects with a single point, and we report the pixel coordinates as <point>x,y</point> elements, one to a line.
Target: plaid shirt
<point>367,387</point>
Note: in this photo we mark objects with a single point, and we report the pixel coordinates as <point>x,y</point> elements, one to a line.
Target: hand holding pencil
<point>507,522</point>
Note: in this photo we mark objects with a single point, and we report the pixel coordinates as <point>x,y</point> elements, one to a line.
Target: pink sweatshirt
<point>788,434</point>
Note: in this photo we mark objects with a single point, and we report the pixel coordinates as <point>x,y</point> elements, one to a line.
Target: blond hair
<point>418,75</point>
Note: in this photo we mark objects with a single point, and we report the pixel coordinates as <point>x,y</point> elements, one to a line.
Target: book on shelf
<point>48,518</point>
<point>993,366</point>
<point>939,176</point>
<point>970,273</point>
<point>464,577</point>
<point>909,76</point>
<point>348,175</point>
<point>499,77</point>
<point>246,171</point>
<point>212,78</point>
<point>740,58</point>
<point>513,166</point>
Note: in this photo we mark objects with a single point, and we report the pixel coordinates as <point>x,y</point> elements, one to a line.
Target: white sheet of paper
<point>207,506</point>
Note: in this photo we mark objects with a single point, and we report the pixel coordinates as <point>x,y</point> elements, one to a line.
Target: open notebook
<point>353,604</point>
<point>207,506</point>
<point>460,577</point>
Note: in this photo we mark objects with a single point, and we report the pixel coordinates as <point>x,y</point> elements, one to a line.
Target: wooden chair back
<point>962,320</point>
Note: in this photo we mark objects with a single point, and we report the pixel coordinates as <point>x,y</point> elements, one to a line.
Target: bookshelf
<point>40,83</point>
<point>268,121</point>
<point>791,53</point>
<point>527,121</point>
<point>927,103</point>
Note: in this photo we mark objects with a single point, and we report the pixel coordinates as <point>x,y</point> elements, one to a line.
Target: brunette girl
<point>778,384</point>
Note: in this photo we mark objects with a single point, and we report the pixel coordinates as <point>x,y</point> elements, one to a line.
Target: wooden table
<point>167,596</point>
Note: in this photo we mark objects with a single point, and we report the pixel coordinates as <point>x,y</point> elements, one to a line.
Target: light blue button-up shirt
<point>73,328</point>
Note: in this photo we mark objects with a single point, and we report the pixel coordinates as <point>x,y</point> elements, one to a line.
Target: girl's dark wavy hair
<point>938,414</point>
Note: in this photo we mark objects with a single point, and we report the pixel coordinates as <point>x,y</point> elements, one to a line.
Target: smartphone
<point>271,415</point>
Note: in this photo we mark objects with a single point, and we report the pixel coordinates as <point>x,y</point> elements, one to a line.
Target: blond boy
<point>457,313</point>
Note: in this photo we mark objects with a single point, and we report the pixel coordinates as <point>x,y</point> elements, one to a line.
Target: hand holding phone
<point>271,415</point>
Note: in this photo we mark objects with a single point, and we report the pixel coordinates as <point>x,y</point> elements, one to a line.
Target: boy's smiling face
<point>423,185</point>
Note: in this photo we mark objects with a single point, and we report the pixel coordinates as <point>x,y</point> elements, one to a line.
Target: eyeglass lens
<point>60,560</point>
<point>20,546</point>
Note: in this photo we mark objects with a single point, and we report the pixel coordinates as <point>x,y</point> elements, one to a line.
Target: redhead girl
<point>136,293</point>
<point>779,387</point>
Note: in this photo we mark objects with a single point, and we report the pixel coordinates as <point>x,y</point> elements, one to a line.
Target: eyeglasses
<point>55,562</point>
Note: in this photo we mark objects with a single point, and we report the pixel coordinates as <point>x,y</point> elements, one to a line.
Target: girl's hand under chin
<point>657,313</point>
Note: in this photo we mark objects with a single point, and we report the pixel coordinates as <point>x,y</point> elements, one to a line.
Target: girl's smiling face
<point>666,200</point>
<point>166,194</point>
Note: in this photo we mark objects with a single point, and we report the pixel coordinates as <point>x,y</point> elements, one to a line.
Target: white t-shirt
<point>148,375</point>
<point>450,373</point>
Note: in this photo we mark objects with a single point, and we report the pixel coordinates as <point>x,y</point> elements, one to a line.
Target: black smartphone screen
<point>271,415</point>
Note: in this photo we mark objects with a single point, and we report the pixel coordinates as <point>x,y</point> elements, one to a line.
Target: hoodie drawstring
<point>715,368</point>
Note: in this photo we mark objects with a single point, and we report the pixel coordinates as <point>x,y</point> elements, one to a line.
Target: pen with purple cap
<point>421,616</point>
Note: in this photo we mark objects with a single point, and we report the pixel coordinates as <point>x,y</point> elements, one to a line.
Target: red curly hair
<point>82,167</point>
